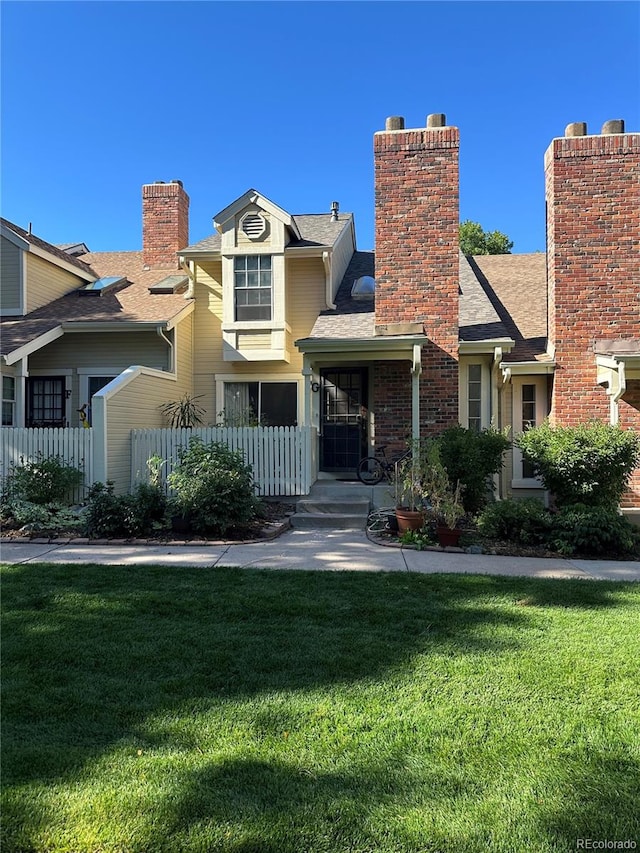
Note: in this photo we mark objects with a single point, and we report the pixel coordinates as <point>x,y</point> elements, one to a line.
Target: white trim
<point>14,238</point>
<point>34,345</point>
<point>254,197</point>
<point>540,383</point>
<point>526,368</point>
<point>485,390</point>
<point>84,373</point>
<point>59,262</point>
<point>487,347</point>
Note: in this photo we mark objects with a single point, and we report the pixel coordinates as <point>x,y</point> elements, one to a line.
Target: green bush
<point>109,515</point>
<point>54,517</point>
<point>45,480</point>
<point>213,487</point>
<point>524,522</point>
<point>472,458</point>
<point>590,464</point>
<point>594,532</point>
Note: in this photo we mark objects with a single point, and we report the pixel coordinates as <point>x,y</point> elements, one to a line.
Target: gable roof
<point>316,230</point>
<point>56,252</point>
<point>501,297</point>
<point>129,305</point>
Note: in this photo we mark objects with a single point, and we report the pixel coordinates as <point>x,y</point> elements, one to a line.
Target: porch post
<point>307,372</point>
<point>416,370</point>
<point>21,391</point>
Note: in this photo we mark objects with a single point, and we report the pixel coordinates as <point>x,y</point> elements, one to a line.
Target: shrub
<point>525,522</point>
<point>590,464</point>
<point>44,480</point>
<point>52,516</point>
<point>184,413</point>
<point>471,458</point>
<point>213,487</point>
<point>108,514</point>
<point>594,532</point>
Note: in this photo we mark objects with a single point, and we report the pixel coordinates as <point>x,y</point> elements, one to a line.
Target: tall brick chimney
<point>593,262</point>
<point>417,255</point>
<point>165,223</point>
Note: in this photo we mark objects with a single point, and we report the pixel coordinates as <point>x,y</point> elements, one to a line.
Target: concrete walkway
<point>317,550</point>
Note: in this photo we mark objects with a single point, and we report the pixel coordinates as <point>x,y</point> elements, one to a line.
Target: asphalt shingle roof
<point>56,251</point>
<point>316,229</point>
<point>501,296</point>
<point>130,302</point>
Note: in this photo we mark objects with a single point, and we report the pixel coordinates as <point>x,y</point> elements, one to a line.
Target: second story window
<point>252,287</point>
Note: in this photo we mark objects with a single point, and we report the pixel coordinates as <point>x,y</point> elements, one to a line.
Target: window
<point>529,410</point>
<point>264,403</point>
<point>528,403</point>
<point>252,287</point>
<point>8,401</point>
<point>474,397</point>
<point>46,401</point>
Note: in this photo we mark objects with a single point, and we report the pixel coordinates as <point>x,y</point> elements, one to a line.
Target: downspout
<point>495,408</point>
<point>326,260</point>
<point>185,266</point>
<point>170,344</point>
<point>614,414</point>
<point>416,370</point>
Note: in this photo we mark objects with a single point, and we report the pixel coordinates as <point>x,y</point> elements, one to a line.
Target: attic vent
<point>253,225</point>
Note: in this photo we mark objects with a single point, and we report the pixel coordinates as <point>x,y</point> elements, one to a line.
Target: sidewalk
<point>318,550</point>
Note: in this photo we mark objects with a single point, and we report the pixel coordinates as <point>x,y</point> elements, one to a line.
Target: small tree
<point>214,487</point>
<point>590,464</point>
<point>472,458</point>
<point>474,240</point>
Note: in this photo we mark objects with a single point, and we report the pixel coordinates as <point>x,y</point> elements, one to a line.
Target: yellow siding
<point>10,279</point>
<point>264,239</point>
<point>305,295</point>
<point>136,406</point>
<point>248,341</point>
<point>46,282</point>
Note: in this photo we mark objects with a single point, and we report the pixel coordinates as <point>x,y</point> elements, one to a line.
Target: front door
<point>343,422</point>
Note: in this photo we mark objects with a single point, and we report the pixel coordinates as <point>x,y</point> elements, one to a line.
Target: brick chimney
<point>593,262</point>
<point>417,255</point>
<point>165,223</point>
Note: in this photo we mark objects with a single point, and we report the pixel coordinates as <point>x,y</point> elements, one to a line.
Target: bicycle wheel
<point>370,471</point>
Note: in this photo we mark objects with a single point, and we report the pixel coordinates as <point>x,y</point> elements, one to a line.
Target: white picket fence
<point>73,446</point>
<point>280,457</point>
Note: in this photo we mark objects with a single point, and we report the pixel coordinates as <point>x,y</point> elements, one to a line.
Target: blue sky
<point>101,97</point>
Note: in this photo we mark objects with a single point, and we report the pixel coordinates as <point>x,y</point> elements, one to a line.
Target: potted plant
<point>411,494</point>
<point>446,501</point>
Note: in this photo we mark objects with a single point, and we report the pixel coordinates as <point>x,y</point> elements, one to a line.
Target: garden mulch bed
<point>275,520</point>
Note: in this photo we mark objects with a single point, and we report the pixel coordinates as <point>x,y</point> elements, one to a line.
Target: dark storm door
<point>342,418</point>
<point>46,401</point>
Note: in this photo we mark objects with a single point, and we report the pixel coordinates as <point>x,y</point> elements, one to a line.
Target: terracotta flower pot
<point>409,519</point>
<point>448,536</point>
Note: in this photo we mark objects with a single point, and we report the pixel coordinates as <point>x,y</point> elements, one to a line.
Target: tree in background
<point>474,240</point>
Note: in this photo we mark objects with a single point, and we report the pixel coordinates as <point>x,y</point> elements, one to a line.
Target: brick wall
<point>165,224</point>
<point>417,270</point>
<point>593,232</point>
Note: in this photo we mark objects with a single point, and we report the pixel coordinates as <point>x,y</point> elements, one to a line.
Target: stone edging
<point>272,531</point>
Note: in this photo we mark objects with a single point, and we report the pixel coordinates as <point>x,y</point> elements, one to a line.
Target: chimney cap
<point>576,128</point>
<point>615,125</point>
<point>437,120</point>
<point>394,123</point>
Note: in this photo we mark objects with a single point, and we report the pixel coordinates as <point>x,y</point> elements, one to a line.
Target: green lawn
<point>164,709</point>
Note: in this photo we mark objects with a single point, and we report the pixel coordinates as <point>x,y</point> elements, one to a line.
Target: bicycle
<point>373,469</point>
